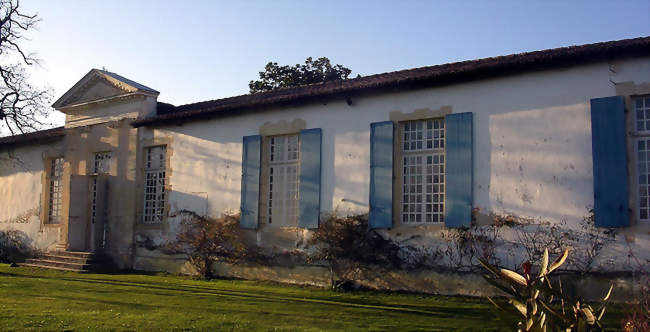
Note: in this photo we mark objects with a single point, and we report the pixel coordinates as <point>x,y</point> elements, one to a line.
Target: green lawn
<point>32,299</point>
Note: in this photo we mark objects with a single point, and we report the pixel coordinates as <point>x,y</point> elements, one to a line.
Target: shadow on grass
<point>447,311</point>
<point>202,291</point>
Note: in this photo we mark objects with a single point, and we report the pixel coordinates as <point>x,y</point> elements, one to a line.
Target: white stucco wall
<point>532,145</point>
<point>21,171</point>
<point>532,155</point>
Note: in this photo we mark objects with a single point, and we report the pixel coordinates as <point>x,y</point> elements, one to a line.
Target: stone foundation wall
<point>591,287</point>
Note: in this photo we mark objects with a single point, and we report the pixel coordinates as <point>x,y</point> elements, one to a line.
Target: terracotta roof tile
<point>408,79</point>
<point>47,135</point>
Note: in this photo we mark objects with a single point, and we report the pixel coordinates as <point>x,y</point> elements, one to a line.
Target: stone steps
<point>40,266</point>
<point>59,258</point>
<point>73,261</point>
<point>83,254</point>
<point>55,263</point>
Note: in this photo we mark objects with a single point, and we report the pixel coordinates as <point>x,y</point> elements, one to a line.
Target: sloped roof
<point>438,75</point>
<point>138,86</point>
<point>124,84</point>
<point>47,135</point>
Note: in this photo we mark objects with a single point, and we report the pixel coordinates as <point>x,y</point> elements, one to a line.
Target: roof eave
<point>452,73</point>
<point>42,136</point>
<point>67,108</point>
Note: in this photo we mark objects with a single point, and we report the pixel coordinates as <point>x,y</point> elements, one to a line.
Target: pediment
<point>96,89</point>
<point>99,85</point>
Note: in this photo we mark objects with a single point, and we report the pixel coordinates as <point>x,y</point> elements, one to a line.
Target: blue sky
<point>193,51</point>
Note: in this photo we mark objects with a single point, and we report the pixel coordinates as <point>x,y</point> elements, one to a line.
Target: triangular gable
<point>100,85</point>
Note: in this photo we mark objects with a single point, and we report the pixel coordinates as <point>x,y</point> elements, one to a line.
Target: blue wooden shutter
<point>250,181</point>
<point>381,175</point>
<point>459,170</point>
<point>310,147</point>
<point>610,162</point>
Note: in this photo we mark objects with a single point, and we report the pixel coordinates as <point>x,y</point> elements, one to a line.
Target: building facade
<point>545,135</point>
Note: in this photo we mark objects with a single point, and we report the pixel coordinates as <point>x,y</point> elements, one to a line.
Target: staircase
<point>73,261</point>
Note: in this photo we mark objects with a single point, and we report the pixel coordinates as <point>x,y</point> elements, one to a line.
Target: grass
<point>33,299</point>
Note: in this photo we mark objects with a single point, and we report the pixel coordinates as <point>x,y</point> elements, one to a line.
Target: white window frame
<point>641,136</point>
<point>426,146</point>
<point>154,195</point>
<point>55,190</point>
<point>283,180</point>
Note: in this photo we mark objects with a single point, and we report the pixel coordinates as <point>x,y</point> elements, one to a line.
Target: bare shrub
<point>351,249</point>
<point>15,246</point>
<point>587,242</point>
<point>535,236</point>
<point>205,241</point>
<point>463,247</point>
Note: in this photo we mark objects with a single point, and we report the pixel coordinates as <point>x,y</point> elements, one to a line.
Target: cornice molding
<point>94,77</point>
<point>86,105</point>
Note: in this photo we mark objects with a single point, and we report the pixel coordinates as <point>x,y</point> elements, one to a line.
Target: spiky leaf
<point>609,292</point>
<point>529,323</point>
<point>489,267</point>
<point>559,261</point>
<point>498,285</point>
<point>602,312</point>
<point>543,269</point>
<point>514,276</point>
<point>519,306</point>
<point>507,315</point>
<point>588,315</point>
<point>559,315</point>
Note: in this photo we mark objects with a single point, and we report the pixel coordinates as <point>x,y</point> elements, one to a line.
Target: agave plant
<point>535,304</point>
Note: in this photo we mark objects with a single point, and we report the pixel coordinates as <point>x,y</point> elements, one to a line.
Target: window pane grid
<point>642,113</point>
<point>154,185</point>
<point>643,152</point>
<point>423,172</point>
<point>423,135</point>
<point>55,198</point>
<point>102,162</point>
<point>284,178</point>
<point>284,149</point>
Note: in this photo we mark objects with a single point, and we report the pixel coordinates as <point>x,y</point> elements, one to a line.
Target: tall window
<point>56,173</point>
<point>102,163</point>
<point>423,171</point>
<point>154,184</point>
<point>284,179</point>
<point>642,114</point>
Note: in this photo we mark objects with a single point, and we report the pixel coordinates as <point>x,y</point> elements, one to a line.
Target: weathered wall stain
<point>532,152</point>
<point>23,218</point>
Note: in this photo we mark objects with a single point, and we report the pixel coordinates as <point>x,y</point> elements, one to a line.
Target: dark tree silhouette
<point>22,105</point>
<point>313,71</point>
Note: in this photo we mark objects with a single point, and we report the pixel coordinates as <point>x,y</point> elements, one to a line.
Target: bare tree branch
<point>22,105</point>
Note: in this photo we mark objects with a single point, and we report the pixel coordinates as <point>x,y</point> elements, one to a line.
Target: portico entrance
<point>87,227</point>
